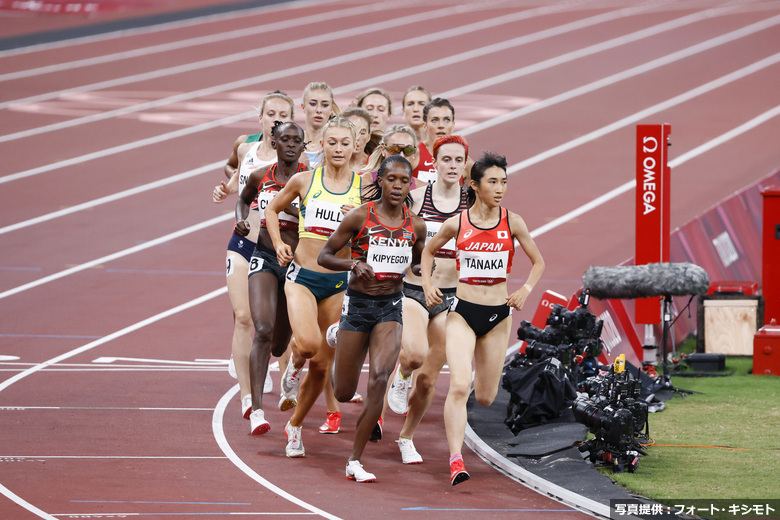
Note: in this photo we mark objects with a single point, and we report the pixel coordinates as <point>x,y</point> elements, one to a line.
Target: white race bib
<point>483,267</point>
<point>389,262</point>
<point>322,217</point>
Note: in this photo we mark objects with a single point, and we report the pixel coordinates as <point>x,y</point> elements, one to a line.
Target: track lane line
<point>118,254</point>
<point>290,23</point>
<point>459,31</point>
<point>224,445</point>
<point>165,26</point>
<point>453,59</point>
<point>702,89</point>
<point>490,123</point>
<point>10,495</point>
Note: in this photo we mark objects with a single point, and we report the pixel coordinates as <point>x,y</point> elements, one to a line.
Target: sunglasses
<point>406,150</point>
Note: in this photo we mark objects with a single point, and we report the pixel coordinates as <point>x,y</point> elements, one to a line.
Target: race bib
<point>322,218</point>
<point>483,267</point>
<point>448,250</point>
<point>388,262</point>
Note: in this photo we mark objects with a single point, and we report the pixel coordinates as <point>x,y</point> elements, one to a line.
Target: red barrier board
<point>653,187</point>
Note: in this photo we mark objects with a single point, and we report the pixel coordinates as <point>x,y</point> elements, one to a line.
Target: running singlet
<point>484,255</point>
<point>425,172</point>
<point>267,190</point>
<point>250,162</point>
<point>387,250</point>
<point>434,219</point>
<point>320,210</point>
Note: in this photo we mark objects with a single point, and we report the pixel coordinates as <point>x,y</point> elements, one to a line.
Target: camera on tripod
<point>611,407</point>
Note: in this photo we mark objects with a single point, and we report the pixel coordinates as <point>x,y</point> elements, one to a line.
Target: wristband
<point>354,264</point>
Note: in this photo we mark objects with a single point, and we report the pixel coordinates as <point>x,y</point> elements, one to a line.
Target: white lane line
<point>13,379</point>
<point>113,197</point>
<point>353,86</point>
<point>224,445</point>
<point>459,32</point>
<point>621,76</point>
<point>490,123</point>
<point>211,62</point>
<point>291,23</point>
<point>630,185</point>
<point>658,107</point>
<point>119,254</point>
<point>167,26</point>
<point>707,87</point>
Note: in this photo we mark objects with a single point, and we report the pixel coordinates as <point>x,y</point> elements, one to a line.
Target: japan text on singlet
<point>387,250</point>
<point>434,219</point>
<point>320,210</point>
<point>484,255</point>
<point>268,189</point>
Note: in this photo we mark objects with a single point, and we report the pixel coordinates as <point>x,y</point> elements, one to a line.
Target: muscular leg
<point>489,358</point>
<point>384,345</point>
<point>461,342</point>
<point>272,329</point>
<point>309,322</point>
<point>424,389</point>
<point>238,291</point>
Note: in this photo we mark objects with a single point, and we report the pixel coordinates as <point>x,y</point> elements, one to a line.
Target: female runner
<point>478,323</point>
<point>318,106</point>
<point>314,293</point>
<point>266,277</point>
<point>423,336</point>
<point>256,151</point>
<point>379,104</point>
<point>385,238</point>
<point>362,121</point>
<point>413,104</point>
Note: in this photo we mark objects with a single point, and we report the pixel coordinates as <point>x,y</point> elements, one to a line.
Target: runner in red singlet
<point>386,238</point>
<point>478,324</point>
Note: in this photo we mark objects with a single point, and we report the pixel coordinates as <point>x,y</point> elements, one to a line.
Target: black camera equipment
<point>611,407</point>
<point>572,337</point>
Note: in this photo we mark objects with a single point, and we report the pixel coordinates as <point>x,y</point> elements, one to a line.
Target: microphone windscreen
<point>645,281</point>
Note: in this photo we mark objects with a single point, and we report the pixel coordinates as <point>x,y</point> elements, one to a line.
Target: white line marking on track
<point>219,436</point>
<point>119,254</point>
<point>630,185</point>
<point>127,330</point>
<point>124,33</point>
<point>295,23</point>
<point>373,52</point>
<point>104,457</point>
<point>702,89</point>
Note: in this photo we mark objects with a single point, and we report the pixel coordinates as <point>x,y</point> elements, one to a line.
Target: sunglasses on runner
<point>406,150</point>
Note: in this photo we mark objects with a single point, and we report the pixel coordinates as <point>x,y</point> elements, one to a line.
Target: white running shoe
<point>287,403</point>
<point>268,387</point>
<point>291,380</point>
<point>232,368</point>
<point>246,405</point>
<point>294,446</point>
<point>356,472</point>
<point>357,398</point>
<point>330,335</point>
<point>409,454</point>
<point>258,423</point>
<point>397,397</point>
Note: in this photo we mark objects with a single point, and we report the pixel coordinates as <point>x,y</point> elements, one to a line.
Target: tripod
<point>666,377</point>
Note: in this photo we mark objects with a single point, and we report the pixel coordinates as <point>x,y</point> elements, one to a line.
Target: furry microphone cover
<point>644,281</point>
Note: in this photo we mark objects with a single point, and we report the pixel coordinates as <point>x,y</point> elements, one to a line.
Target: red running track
<point>114,324</point>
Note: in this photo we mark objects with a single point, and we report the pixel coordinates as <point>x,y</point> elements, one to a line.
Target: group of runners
<point>354,238</point>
